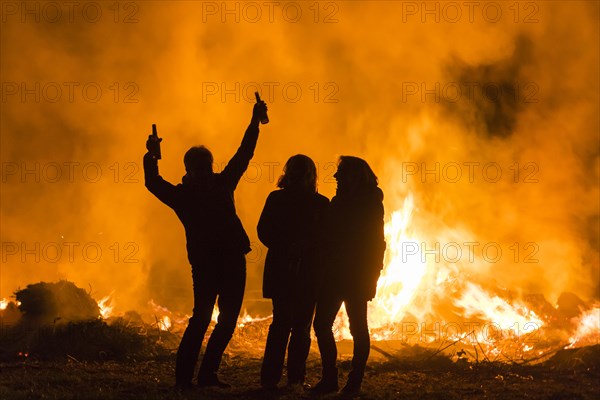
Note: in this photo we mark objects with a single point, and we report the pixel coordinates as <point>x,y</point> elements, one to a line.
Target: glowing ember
<point>106,306</point>
<point>247,319</point>
<point>164,323</point>
<point>3,304</point>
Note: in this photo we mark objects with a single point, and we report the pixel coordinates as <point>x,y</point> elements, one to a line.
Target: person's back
<point>207,212</point>
<point>354,242</point>
<point>289,226</point>
<point>354,252</point>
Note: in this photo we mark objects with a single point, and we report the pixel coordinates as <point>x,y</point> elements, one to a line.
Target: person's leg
<point>357,315</point>
<point>232,281</point>
<point>204,285</point>
<point>327,309</point>
<point>277,341</point>
<point>299,347</point>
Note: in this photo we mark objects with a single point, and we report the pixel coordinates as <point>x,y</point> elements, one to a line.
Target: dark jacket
<point>355,244</point>
<point>207,211</point>
<point>288,226</point>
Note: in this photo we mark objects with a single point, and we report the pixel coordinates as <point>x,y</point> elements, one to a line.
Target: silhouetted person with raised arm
<point>354,250</point>
<point>216,246</point>
<point>288,226</point>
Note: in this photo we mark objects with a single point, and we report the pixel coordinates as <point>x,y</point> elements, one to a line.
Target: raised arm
<point>238,164</point>
<point>163,190</point>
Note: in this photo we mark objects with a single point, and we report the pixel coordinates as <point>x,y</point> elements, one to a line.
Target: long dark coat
<point>354,245</point>
<point>289,226</point>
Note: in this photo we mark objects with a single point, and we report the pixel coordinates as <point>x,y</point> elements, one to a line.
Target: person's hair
<point>361,173</point>
<point>198,159</point>
<point>300,173</point>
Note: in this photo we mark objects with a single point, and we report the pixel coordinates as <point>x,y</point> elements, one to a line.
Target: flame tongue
<point>106,306</point>
<point>477,303</point>
<point>403,274</point>
<point>588,328</point>
<point>415,284</point>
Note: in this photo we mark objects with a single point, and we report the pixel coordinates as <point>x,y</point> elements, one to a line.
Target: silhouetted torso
<point>355,244</point>
<point>207,209</point>
<point>289,226</point>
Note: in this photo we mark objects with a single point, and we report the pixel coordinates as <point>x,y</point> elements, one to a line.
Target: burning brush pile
<point>444,307</point>
<point>454,306</point>
<point>59,320</point>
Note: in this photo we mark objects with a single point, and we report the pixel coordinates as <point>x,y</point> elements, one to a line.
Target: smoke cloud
<point>489,120</point>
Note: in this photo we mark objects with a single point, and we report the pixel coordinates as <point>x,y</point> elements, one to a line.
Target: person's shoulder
<point>276,194</point>
<point>321,199</point>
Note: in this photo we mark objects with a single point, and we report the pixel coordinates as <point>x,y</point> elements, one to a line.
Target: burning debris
<point>59,302</point>
<point>60,320</point>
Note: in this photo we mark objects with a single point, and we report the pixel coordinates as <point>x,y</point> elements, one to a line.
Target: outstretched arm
<point>163,190</point>
<point>238,164</point>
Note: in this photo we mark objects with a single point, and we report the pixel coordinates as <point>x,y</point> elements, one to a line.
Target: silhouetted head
<point>354,174</point>
<point>198,162</point>
<point>299,173</point>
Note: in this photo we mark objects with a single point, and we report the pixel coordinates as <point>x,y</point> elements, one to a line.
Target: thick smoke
<point>366,78</point>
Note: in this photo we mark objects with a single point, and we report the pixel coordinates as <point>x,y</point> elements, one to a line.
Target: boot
<point>327,384</point>
<point>352,387</point>
<point>212,380</point>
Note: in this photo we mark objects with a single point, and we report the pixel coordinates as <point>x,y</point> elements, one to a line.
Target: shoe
<point>298,383</point>
<point>268,387</point>
<point>212,380</point>
<point>298,386</point>
<point>324,387</point>
<point>352,388</point>
<point>184,387</point>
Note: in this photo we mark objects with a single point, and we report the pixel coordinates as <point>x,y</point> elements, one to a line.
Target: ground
<point>436,378</point>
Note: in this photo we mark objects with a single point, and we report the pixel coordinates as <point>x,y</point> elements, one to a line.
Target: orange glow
<point>106,306</point>
<point>588,329</point>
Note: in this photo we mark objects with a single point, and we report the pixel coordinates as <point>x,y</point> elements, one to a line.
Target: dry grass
<point>153,379</point>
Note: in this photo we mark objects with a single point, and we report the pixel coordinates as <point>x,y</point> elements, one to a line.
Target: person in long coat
<point>289,227</point>
<point>354,251</point>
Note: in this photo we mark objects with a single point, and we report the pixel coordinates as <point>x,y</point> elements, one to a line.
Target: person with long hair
<point>354,251</point>
<point>289,226</point>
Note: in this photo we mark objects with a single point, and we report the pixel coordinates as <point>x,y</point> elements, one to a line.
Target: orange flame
<point>588,328</point>
<point>106,306</point>
<point>411,281</point>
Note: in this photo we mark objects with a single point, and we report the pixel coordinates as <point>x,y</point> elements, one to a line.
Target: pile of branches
<point>61,321</point>
<point>47,303</point>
